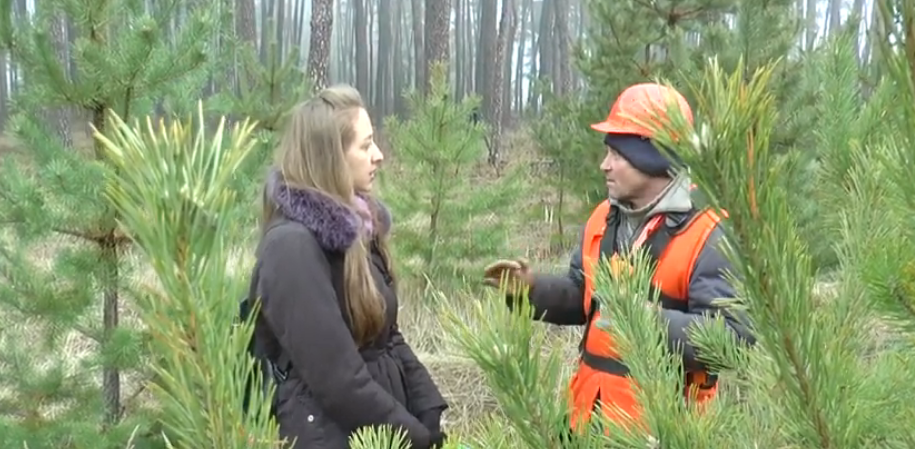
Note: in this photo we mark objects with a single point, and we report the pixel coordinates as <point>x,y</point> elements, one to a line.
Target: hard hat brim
<point>609,127</point>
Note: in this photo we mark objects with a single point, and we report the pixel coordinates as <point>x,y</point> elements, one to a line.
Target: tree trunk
<point>857,11</point>
<point>460,71</point>
<point>562,84</point>
<point>383,69</point>
<point>58,117</point>
<point>416,9</point>
<point>811,18</point>
<point>398,74</point>
<point>835,17</point>
<point>526,19</point>
<point>437,38</point>
<point>322,19</point>
<point>495,81</point>
<point>544,47</point>
<point>505,112</point>
<point>245,31</point>
<point>486,56</point>
<point>361,44</point>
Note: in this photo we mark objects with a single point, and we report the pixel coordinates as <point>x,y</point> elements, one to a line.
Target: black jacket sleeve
<point>301,307</point>
<point>558,299</point>
<point>423,394</point>
<point>708,283</point>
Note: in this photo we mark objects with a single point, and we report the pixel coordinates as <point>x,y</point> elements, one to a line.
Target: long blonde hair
<point>311,156</point>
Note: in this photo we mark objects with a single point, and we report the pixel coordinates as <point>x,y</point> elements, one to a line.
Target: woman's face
<point>363,157</point>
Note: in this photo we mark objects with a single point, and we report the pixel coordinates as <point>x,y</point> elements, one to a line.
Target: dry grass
<point>461,382</point>
<point>7,145</point>
<point>463,386</point>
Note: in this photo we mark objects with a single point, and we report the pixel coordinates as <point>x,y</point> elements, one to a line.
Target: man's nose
<point>605,164</point>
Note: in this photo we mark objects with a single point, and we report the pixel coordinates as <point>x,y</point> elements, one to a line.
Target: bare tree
<point>438,38</point>
<point>495,106</point>
<point>362,45</point>
<point>322,21</point>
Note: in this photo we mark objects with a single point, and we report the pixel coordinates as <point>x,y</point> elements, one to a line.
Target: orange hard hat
<point>646,102</point>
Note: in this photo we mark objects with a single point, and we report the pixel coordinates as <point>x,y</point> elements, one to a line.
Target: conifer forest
<point>137,134</point>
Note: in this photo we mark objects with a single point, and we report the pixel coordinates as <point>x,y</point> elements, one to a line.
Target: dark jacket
<point>559,299</point>
<point>333,386</point>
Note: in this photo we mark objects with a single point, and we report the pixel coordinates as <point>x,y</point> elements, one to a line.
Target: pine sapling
<point>170,185</point>
<point>807,383</point>
<point>55,392</point>
<point>445,218</point>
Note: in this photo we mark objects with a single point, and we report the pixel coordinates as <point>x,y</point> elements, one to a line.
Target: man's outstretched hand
<point>514,272</point>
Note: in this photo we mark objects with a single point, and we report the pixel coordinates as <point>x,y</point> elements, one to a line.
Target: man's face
<point>624,182</point>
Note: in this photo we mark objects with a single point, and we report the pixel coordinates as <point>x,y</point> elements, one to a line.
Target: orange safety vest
<point>601,375</point>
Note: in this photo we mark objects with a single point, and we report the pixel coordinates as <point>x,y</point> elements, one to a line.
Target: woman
<point>329,306</point>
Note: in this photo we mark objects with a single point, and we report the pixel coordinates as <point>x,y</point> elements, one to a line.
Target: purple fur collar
<point>334,225</point>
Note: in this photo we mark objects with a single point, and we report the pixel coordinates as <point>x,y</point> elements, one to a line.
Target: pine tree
<point>764,32</point>
<point>565,139</point>
<point>267,91</point>
<point>52,201</point>
<point>842,120</point>
<point>180,213</point>
<point>632,42</point>
<point>439,149</point>
<point>810,381</point>
<point>815,377</point>
<point>877,253</point>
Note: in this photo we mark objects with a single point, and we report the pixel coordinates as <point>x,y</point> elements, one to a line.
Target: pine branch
<point>179,214</point>
<point>519,364</point>
<point>809,349</point>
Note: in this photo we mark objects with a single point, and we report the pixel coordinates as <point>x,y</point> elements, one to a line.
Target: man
<point>649,204</point>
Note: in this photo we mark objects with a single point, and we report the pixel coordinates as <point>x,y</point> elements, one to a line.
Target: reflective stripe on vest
<point>673,271</point>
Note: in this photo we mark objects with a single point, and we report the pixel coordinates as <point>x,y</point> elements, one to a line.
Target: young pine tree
<point>632,42</point>
<point>569,144</point>
<point>267,89</point>
<point>842,122</point>
<point>814,377</point>
<point>808,381</point>
<point>438,185</point>
<point>875,221</point>
<point>171,186</point>
<point>62,263</point>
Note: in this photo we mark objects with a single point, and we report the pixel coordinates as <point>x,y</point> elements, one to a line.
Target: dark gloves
<point>437,440</point>
<point>432,419</point>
